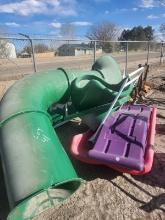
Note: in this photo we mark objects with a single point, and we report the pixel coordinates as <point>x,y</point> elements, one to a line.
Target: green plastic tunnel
<point>34,161</point>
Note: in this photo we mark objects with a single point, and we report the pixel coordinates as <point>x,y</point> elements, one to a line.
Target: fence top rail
<point>76,40</point>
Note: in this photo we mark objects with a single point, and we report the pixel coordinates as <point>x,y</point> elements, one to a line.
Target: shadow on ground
<point>152,204</point>
<point>157,175</point>
<point>156,178</point>
<point>160,128</point>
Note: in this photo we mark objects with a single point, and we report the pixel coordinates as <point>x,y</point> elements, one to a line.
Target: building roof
<point>81,46</point>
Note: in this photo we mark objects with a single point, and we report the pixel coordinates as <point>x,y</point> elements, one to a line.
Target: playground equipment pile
<point>37,171</point>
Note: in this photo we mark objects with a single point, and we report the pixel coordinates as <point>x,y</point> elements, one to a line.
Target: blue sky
<point>47,16</point>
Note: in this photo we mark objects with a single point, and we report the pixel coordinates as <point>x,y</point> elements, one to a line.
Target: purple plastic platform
<point>122,139</point>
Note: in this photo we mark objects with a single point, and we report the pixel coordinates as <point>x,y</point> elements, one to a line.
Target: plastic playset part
<point>125,142</point>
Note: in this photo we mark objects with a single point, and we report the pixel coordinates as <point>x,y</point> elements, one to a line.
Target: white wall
<point>83,52</point>
<point>7,50</point>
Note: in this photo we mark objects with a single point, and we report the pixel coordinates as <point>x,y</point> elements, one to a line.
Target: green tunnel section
<point>90,91</point>
<point>33,158</point>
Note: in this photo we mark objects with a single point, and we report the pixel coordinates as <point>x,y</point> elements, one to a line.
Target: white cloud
<point>125,28</point>
<point>12,24</point>
<point>159,36</point>
<point>148,3</point>
<point>106,12</point>
<point>30,7</point>
<point>81,23</point>
<point>25,7</point>
<point>134,9</point>
<point>123,9</point>
<point>152,17</point>
<point>152,3</point>
<point>56,24</point>
<point>156,16</point>
<point>101,1</point>
<point>127,9</point>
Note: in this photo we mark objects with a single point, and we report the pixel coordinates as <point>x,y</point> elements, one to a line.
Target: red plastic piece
<point>80,148</point>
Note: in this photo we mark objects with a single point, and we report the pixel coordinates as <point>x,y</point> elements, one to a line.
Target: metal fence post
<point>148,52</point>
<point>34,61</point>
<point>94,52</point>
<point>126,60</point>
<point>161,53</point>
<point>32,47</point>
<point>68,52</point>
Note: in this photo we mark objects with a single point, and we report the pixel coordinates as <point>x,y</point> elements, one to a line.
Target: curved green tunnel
<point>32,155</point>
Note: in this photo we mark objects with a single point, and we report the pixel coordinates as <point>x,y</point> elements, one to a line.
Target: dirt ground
<point>107,194</point>
<point>16,68</point>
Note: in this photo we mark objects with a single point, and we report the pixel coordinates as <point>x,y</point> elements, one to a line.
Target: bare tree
<point>27,49</point>
<point>41,48</point>
<point>38,48</point>
<point>162,32</point>
<point>104,31</point>
<point>68,31</point>
<point>162,28</point>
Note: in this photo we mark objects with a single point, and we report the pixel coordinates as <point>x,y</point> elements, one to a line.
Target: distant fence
<point>23,55</point>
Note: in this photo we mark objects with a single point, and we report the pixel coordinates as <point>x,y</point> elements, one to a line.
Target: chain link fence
<point>13,60</point>
<point>25,55</point>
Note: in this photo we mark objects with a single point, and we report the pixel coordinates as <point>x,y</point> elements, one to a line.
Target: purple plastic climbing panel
<point>122,139</point>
